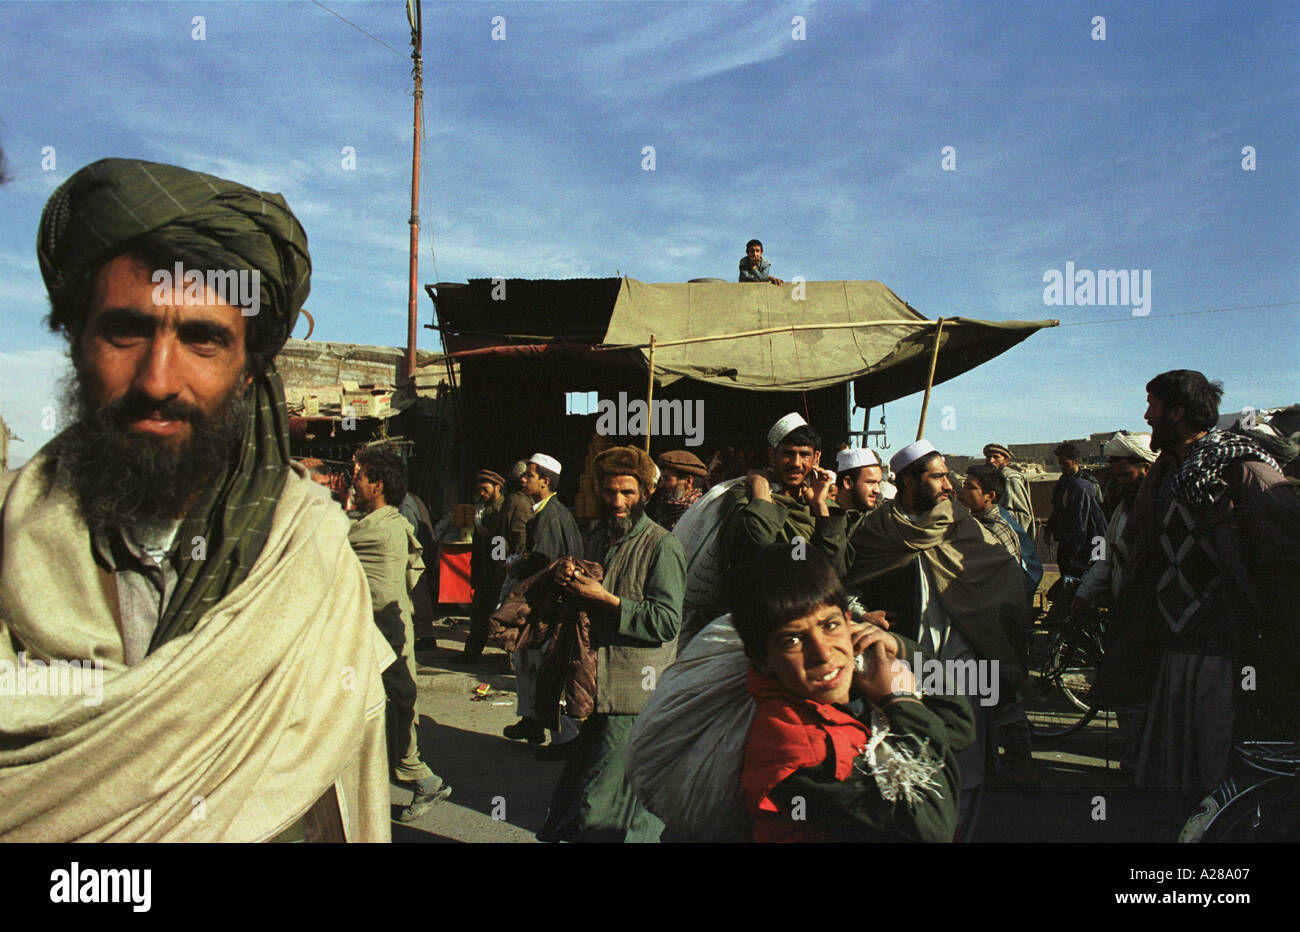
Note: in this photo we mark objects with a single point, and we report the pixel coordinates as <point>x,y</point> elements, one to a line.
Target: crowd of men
<point>258,643</point>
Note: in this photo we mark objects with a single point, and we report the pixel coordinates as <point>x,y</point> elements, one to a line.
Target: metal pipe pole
<point>929,381</point>
<point>418,73</point>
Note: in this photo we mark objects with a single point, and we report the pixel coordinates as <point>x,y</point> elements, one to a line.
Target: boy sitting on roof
<point>754,268</point>
<point>838,753</point>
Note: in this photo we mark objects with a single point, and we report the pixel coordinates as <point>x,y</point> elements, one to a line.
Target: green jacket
<point>748,525</point>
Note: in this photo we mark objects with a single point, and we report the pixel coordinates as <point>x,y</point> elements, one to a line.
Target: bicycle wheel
<point>1075,657</point>
<point>1066,676</point>
<point>1268,811</point>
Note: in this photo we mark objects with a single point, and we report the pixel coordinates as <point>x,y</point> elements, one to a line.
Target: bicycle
<point>1067,673</point>
<point>1258,801</point>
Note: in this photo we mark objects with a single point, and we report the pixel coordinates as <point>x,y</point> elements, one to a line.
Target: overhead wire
<point>359,29</point>
<point>1212,310</point>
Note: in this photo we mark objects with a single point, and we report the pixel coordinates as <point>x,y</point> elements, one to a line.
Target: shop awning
<point>800,336</point>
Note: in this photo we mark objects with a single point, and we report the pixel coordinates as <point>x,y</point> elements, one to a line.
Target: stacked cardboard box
<point>368,400</point>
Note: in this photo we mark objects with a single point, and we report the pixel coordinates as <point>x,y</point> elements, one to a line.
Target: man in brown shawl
<point>164,541</point>
<point>946,583</point>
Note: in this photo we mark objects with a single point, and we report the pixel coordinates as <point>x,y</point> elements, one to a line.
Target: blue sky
<point>1117,153</point>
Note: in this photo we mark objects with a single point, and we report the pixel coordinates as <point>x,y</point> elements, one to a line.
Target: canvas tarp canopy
<point>887,355</point>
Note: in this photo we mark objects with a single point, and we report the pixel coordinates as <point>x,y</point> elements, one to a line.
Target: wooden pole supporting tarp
<point>649,396</point>
<point>929,382</point>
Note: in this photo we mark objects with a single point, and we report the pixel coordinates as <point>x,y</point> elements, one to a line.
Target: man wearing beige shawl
<point>164,544</point>
<point>946,583</point>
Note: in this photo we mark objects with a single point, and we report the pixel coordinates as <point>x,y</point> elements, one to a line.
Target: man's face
<point>159,399</point>
<point>791,464</point>
<point>933,486</point>
<point>754,252</point>
<point>534,485</point>
<point>974,496</point>
<point>865,490</point>
<point>812,656</point>
<point>621,502</point>
<point>1166,426</point>
<point>996,460</point>
<point>367,492</point>
<point>676,485</point>
<point>1127,474</point>
<point>487,492</point>
<point>171,361</point>
<point>1068,466</point>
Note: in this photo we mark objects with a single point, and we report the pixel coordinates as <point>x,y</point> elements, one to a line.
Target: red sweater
<point>789,733</point>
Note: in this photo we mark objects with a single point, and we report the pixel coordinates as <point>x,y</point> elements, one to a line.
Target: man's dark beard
<point>123,478</point>
<point>1164,434</point>
<point>926,500</point>
<point>618,527</point>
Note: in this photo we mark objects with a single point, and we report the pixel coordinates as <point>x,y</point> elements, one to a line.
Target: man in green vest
<point>635,613</point>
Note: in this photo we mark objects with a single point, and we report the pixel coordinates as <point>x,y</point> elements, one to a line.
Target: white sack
<point>697,529</point>
<point>687,746</point>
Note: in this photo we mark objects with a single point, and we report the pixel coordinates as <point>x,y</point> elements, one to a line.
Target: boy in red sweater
<point>819,765</point>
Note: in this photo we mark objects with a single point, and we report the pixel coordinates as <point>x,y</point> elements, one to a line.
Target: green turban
<point>108,203</point>
<point>89,219</point>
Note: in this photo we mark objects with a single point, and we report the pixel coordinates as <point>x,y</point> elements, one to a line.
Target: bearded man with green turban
<point>164,548</point>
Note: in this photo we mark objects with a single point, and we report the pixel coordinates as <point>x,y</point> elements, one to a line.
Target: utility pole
<point>417,71</point>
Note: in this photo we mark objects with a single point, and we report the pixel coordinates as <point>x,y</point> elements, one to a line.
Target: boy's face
<point>974,496</point>
<point>754,252</point>
<point>812,656</point>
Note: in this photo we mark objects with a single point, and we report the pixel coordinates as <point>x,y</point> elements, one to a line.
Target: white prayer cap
<point>910,454</point>
<point>782,428</point>
<point>852,459</point>
<point>546,462</point>
<point>1130,446</point>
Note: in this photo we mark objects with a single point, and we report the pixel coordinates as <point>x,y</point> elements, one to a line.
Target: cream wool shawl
<point>227,733</point>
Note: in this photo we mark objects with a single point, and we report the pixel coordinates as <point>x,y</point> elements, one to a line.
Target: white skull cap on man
<point>910,454</point>
<point>782,428</point>
<point>546,462</point>
<point>852,459</point>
